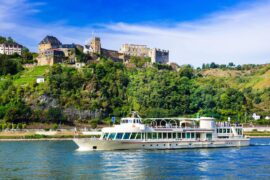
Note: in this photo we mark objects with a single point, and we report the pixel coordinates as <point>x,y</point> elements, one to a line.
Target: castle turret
<point>49,42</point>
<point>95,45</point>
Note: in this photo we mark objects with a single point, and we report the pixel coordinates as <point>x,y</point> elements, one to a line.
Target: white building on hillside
<point>40,79</point>
<point>10,48</point>
<point>256,117</point>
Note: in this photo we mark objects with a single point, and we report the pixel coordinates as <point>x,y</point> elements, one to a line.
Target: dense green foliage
<point>106,88</point>
<point>6,40</point>
<point>9,66</point>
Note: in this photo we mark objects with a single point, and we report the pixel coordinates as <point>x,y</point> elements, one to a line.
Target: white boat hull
<point>98,144</point>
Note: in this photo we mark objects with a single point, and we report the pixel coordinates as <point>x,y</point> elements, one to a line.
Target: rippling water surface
<point>60,160</point>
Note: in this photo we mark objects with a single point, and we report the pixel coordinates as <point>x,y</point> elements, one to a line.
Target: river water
<point>60,160</point>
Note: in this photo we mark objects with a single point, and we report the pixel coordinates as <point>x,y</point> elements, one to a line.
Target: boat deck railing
<point>172,126</point>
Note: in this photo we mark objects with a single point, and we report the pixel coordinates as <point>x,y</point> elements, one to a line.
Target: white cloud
<point>240,35</point>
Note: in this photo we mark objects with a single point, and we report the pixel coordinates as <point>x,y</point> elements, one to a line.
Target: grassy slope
<point>258,78</point>
<point>29,75</point>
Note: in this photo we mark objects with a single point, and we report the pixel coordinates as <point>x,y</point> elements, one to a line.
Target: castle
<point>156,55</point>
<point>52,51</point>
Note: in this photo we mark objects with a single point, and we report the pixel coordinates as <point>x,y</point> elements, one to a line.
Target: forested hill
<point>104,89</point>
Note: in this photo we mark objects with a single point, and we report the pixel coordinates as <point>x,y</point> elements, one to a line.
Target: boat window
<point>174,135</point>
<point>105,136</point>
<point>192,135</point>
<point>133,135</point>
<point>139,136</point>
<point>239,131</point>
<point>224,130</point>
<point>164,135</point>
<point>228,130</point>
<point>179,135</point>
<point>149,136</point>
<point>143,135</point>
<point>119,136</point>
<point>188,135</point>
<point>112,135</point>
<point>154,136</point>
<point>183,135</point>
<point>126,136</point>
<point>169,135</point>
<point>220,130</point>
<point>159,135</point>
<point>209,136</point>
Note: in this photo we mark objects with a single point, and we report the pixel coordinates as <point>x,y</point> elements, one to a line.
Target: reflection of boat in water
<point>166,133</point>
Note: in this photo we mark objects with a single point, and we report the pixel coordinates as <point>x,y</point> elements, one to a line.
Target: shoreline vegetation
<point>37,135</point>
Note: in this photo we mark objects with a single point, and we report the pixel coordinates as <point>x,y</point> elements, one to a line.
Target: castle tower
<point>49,42</point>
<point>95,45</point>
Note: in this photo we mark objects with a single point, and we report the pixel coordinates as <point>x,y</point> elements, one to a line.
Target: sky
<point>194,31</point>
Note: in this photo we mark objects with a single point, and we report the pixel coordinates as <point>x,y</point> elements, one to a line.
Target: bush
<point>9,126</point>
<point>94,123</point>
<point>35,136</point>
<point>55,126</point>
<point>19,126</point>
<point>55,114</point>
<point>8,66</point>
<point>4,126</point>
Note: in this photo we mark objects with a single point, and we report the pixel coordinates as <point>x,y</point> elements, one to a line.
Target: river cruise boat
<point>166,133</point>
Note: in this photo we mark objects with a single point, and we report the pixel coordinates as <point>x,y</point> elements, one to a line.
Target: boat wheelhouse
<point>166,133</point>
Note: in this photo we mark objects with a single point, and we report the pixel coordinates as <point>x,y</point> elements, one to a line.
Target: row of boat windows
<point>224,130</point>
<point>156,135</point>
<point>124,121</point>
<point>239,131</point>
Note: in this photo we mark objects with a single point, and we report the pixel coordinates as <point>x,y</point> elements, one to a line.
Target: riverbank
<point>41,139</point>
<point>37,135</point>
<point>258,135</point>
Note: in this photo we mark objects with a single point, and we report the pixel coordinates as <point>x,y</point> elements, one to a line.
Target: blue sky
<point>195,31</point>
<point>83,12</point>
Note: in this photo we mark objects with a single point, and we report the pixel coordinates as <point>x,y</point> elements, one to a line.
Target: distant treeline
<point>229,66</point>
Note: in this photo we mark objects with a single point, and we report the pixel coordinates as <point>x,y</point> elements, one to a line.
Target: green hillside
<point>105,88</point>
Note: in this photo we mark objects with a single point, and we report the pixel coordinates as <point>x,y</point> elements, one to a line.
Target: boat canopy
<point>171,122</point>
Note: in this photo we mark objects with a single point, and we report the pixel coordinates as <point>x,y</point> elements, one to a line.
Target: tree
<point>139,61</point>
<point>27,56</point>
<point>55,115</point>
<point>231,64</point>
<point>8,66</point>
<point>186,71</point>
<point>10,40</point>
<point>17,112</point>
